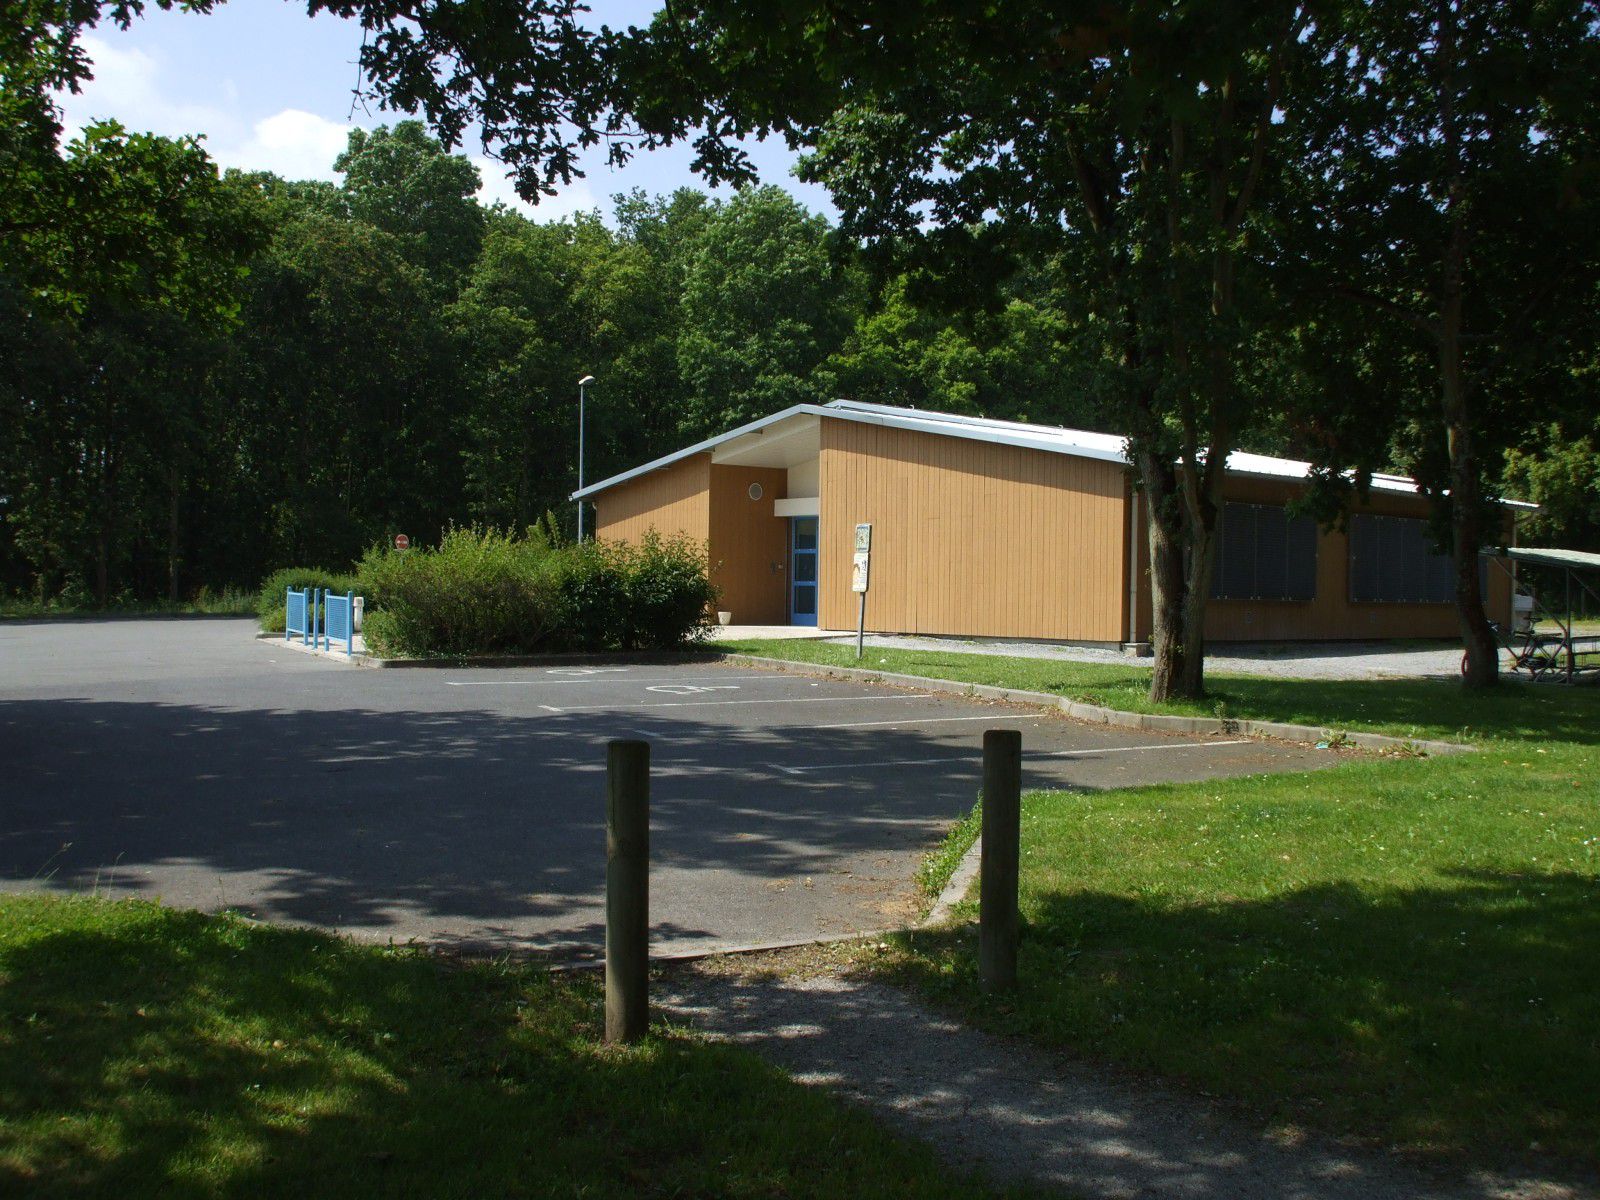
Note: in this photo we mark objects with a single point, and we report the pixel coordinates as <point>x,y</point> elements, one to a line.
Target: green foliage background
<point>213,375</point>
<point>336,364</point>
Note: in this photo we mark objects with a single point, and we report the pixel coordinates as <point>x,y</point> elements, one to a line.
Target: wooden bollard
<point>999,925</point>
<point>627,890</point>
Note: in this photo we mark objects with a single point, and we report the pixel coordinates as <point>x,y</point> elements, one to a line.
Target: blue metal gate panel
<point>299,616</point>
<point>338,620</point>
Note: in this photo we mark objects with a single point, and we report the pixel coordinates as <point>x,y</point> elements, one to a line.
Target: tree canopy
<point>1358,234</point>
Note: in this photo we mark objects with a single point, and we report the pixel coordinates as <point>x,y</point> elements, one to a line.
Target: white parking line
<point>975,759</point>
<point>567,708</point>
<point>548,682</point>
<point>918,721</point>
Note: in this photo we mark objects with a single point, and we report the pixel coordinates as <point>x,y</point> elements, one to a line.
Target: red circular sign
<point>402,542</point>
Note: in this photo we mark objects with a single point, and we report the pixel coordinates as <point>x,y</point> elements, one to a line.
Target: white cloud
<point>293,143</point>
<point>127,87</point>
<point>137,88</point>
<point>134,87</point>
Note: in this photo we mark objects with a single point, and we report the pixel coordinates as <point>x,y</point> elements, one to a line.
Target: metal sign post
<point>860,575</point>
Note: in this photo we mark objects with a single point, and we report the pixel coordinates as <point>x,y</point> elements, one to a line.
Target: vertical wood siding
<point>675,499</point>
<point>749,545</point>
<point>971,538</point>
<point>975,539</point>
<point>1332,615</point>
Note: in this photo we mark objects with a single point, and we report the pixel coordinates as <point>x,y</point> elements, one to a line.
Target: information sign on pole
<point>860,576</point>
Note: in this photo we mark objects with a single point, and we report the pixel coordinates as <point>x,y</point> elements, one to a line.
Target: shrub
<point>270,601</point>
<point>482,591</point>
<point>653,596</point>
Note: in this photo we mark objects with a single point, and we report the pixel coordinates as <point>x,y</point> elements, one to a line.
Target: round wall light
<point>755,492</point>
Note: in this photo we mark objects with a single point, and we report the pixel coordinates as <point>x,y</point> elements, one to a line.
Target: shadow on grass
<point>146,1051</point>
<point>1516,709</point>
<point>1461,1020</point>
<point>1408,707</point>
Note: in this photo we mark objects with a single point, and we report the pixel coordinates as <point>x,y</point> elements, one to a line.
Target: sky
<point>272,89</point>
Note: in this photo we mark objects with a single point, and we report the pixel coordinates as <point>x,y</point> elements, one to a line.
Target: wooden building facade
<point>995,529</point>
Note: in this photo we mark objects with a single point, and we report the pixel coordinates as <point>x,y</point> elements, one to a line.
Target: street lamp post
<point>582,383</point>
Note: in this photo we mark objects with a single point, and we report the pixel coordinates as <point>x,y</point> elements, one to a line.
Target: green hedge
<point>270,601</point>
<point>484,591</point>
<point>653,596</point>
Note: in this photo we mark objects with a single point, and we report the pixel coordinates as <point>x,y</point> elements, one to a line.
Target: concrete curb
<point>540,660</point>
<point>955,891</point>
<point>591,659</point>
<point>1098,715</point>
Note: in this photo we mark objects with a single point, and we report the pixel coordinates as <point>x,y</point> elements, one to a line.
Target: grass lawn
<point>206,603</point>
<point>1407,708</point>
<point>1407,950</point>
<point>154,1052</point>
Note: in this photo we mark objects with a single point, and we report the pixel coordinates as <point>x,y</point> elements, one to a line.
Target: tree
<point>343,366</point>
<point>115,317</point>
<point>761,312</point>
<point>1449,177</point>
<point>116,207</point>
<point>403,182</point>
<point>909,348</point>
<point>1130,149</point>
<point>1561,474</point>
<point>520,341</point>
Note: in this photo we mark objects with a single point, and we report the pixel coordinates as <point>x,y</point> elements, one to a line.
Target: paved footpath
<point>1021,1115</point>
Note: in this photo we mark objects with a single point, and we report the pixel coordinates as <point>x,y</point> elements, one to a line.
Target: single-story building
<point>986,528</point>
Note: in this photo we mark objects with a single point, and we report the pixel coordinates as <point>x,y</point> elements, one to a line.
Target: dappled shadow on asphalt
<point>1458,1019</point>
<point>468,825</point>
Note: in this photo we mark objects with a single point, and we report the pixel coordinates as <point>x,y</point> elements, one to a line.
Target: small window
<point>1393,561</point>
<point>1264,554</point>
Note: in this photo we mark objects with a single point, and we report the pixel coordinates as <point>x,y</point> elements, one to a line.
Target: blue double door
<point>802,570</point>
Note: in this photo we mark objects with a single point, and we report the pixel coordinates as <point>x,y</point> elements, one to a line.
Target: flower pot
<point>724,618</point>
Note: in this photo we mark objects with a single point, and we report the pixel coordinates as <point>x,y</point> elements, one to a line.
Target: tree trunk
<point>174,532</point>
<point>1483,649</point>
<point>1483,655</point>
<point>102,567</point>
<point>1466,532</point>
<point>1202,557</point>
<point>103,529</point>
<point>1168,601</point>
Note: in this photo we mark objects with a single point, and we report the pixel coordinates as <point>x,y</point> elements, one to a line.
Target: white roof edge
<point>894,418</point>
<point>711,443</point>
<point>1028,437</point>
<point>1050,438</point>
<point>1549,556</point>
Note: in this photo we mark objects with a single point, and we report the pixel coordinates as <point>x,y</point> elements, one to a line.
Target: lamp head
<point>587,379</point>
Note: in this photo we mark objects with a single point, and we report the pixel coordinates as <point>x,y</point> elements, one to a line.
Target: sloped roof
<point>1550,556</point>
<point>1080,443</point>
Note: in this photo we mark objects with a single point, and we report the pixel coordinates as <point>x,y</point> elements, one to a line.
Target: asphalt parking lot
<point>184,760</point>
